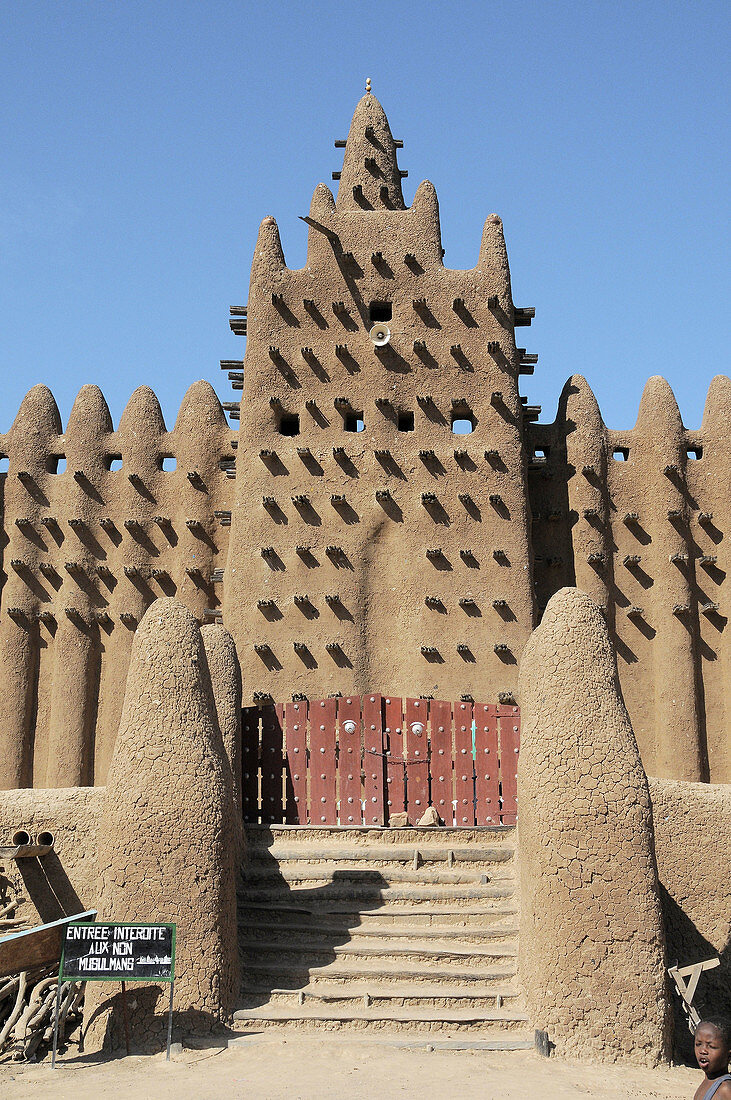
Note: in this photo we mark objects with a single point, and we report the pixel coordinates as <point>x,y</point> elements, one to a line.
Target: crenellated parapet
<point>96,526</point>
<point>638,519</point>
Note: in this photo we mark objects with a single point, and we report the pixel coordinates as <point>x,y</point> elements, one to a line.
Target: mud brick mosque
<point>318,605</point>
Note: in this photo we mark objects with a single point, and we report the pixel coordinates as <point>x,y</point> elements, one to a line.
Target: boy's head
<point>713,1045</point>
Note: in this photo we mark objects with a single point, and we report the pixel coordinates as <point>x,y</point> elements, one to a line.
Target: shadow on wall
<point>686,945</point>
<point>285,933</point>
<point>150,1002</point>
<point>49,888</point>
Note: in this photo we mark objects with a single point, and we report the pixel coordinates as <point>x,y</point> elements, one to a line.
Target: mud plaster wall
<point>692,843</point>
<point>65,881</point>
<point>591,940</point>
<point>328,586</point>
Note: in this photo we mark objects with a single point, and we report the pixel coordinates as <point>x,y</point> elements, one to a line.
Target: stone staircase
<point>400,934</point>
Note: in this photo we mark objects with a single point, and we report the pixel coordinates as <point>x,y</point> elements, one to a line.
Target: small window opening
<point>380,312</point>
<point>541,453</point>
<point>462,424</point>
<point>694,452</point>
<point>354,422</point>
<point>4,464</point>
<point>289,424</point>
<point>57,464</point>
<point>168,463</point>
<point>114,462</point>
<point>621,454</point>
<point>405,421</point>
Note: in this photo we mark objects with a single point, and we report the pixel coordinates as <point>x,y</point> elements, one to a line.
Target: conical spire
<point>658,413</point>
<point>370,179</point>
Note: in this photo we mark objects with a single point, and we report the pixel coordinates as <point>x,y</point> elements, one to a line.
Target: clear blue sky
<point>144,141</point>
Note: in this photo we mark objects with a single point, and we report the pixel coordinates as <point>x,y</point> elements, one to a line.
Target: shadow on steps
<point>285,933</point>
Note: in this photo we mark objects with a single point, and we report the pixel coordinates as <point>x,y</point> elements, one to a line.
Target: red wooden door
<point>250,765</point>
<point>395,747</point>
<point>295,739</point>
<point>323,808</point>
<point>464,781</point>
<point>487,783</point>
<point>509,749</point>
<point>349,760</point>
<point>440,760</point>
<point>271,763</point>
<point>416,712</point>
<point>374,772</point>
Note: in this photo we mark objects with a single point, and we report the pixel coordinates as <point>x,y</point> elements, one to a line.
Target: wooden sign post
<point>118,952</point>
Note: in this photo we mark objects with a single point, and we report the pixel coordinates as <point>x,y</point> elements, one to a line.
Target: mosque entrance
<point>363,759</point>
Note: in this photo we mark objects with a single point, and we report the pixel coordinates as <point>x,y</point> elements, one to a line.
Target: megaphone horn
<point>380,335</point>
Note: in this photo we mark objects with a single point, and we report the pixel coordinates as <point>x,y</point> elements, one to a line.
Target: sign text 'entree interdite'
<point>121,952</point>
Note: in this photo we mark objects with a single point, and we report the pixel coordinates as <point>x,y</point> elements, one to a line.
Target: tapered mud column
<point>25,593</point>
<point>225,673</point>
<point>660,490</point>
<point>166,842</point>
<point>711,526</point>
<point>591,937</point>
<point>18,646</point>
<point>73,694</point>
<point>586,451</point>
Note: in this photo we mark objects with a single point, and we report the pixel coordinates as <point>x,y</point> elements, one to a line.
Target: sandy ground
<point>306,1069</point>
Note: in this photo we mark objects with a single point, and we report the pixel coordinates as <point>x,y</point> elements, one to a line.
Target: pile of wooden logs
<point>27,1005</point>
<point>28,1000</point>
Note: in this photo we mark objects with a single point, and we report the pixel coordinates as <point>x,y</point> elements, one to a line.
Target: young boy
<point>712,1051</point>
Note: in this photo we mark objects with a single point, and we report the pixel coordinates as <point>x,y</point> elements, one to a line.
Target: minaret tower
<point>380,535</point>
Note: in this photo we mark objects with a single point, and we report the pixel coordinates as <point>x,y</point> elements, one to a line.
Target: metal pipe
<point>44,842</point>
<point>22,845</point>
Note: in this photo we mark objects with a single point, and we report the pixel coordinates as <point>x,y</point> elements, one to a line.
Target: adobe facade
<point>388,514</point>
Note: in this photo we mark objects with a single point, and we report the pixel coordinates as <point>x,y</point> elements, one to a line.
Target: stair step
<point>302,871</point>
<point>382,932</point>
<point>417,949</point>
<point>383,853</point>
<point>360,891</point>
<point>342,913</point>
<point>357,990</point>
<point>282,972</point>
<point>441,1017</point>
<point>484,1040</point>
<point>374,835</point>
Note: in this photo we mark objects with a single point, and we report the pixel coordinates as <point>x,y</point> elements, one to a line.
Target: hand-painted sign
<point>118,952</point>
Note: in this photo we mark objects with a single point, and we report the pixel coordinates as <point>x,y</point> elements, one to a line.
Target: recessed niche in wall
<point>57,464</point>
<point>4,464</point>
<point>354,422</point>
<point>694,452</point>
<point>168,463</point>
<point>462,425</point>
<point>405,421</point>
<point>114,462</point>
<point>620,454</point>
<point>379,312</point>
<point>289,424</point>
